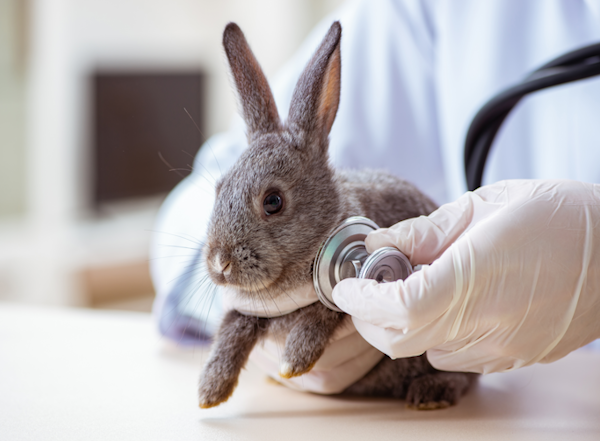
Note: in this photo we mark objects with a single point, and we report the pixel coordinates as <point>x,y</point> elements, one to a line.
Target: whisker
<point>183,247</point>
<point>263,302</point>
<point>188,272</point>
<point>278,344</point>
<point>190,297</point>
<point>281,289</point>
<point>177,170</point>
<point>181,278</point>
<point>272,299</point>
<point>289,296</point>
<point>171,168</point>
<point>180,236</point>
<point>189,154</point>
<point>206,140</point>
<point>214,181</point>
<point>188,169</point>
<point>212,299</point>
<point>201,291</point>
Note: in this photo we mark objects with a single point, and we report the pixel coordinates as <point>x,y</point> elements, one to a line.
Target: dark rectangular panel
<point>137,118</point>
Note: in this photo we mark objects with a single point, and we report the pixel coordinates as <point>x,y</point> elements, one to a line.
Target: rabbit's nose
<point>222,264</point>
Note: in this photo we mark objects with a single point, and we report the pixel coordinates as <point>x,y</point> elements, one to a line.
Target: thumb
<point>401,319</point>
<point>404,304</point>
<point>423,239</point>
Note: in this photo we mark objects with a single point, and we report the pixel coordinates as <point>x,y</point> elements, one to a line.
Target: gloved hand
<point>515,279</point>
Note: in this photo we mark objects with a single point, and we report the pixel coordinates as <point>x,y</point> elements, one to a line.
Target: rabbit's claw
<point>288,370</point>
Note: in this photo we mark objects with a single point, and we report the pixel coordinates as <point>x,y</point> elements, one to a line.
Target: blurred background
<point>94,104</point>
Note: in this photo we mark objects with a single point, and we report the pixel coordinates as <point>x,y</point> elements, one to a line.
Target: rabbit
<point>273,210</point>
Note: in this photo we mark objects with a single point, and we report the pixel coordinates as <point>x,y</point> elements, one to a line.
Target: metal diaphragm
<point>386,265</point>
<point>344,255</point>
<point>341,256</point>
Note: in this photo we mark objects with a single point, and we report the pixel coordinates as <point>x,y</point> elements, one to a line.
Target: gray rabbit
<point>273,210</point>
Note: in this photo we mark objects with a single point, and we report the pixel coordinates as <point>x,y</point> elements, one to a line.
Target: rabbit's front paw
<point>437,390</point>
<point>299,357</point>
<point>306,342</point>
<point>214,388</point>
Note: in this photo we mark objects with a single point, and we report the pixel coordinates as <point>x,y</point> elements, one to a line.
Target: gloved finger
<point>425,238</point>
<point>401,305</point>
<point>472,359</point>
<point>395,343</point>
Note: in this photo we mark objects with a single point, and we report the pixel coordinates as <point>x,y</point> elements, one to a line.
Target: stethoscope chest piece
<point>386,265</point>
<point>344,255</point>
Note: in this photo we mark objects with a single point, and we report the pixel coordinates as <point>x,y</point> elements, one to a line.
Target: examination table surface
<point>76,374</point>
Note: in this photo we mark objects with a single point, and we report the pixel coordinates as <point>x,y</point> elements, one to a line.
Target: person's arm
<point>514,279</point>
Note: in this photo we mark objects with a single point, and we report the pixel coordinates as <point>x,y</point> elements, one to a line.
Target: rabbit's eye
<point>272,203</point>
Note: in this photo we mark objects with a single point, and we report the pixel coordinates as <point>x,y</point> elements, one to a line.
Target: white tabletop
<point>68,374</point>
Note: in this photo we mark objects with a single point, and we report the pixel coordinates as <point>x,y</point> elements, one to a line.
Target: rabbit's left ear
<point>317,94</point>
<point>258,106</point>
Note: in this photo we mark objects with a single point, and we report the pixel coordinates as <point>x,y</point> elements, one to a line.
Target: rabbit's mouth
<point>268,288</point>
<point>251,288</point>
<point>230,273</point>
<point>249,271</point>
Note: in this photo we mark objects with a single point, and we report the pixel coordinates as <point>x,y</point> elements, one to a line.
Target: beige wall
<point>134,32</point>
<point>12,108</point>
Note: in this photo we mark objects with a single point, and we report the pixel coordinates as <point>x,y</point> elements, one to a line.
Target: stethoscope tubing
<point>576,65</point>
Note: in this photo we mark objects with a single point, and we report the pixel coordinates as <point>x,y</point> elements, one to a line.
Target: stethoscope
<point>344,254</point>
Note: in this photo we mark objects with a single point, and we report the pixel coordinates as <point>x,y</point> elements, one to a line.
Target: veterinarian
<point>512,274</point>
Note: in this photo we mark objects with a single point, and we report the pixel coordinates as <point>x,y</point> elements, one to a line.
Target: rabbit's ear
<point>258,106</point>
<point>317,94</point>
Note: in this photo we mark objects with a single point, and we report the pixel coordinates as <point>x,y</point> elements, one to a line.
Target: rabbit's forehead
<point>237,188</point>
<point>239,191</point>
<point>259,168</point>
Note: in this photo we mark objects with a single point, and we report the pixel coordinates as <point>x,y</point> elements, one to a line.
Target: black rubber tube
<point>576,65</point>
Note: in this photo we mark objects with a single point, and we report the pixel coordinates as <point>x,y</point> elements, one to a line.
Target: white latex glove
<point>515,279</point>
<point>347,358</point>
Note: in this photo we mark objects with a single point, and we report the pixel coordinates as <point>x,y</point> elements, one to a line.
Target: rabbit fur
<point>263,256</point>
